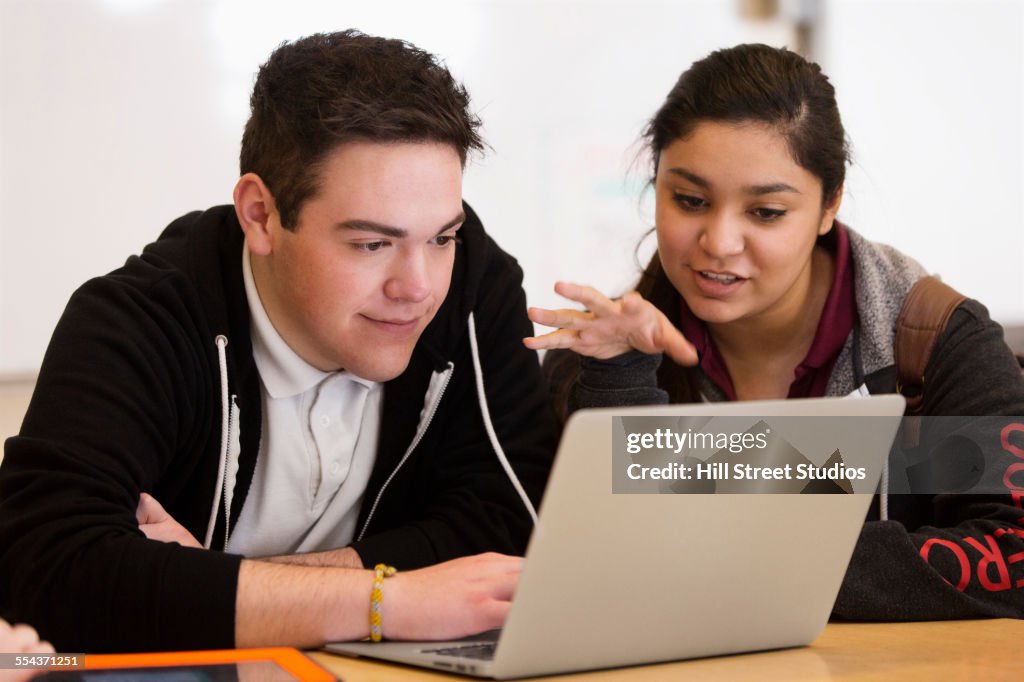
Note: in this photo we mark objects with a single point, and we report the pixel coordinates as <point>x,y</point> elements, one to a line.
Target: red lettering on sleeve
<point>1000,532</point>
<point>1008,477</point>
<point>991,557</point>
<point>958,552</point>
<point>1016,559</point>
<point>1019,556</point>
<point>1004,437</point>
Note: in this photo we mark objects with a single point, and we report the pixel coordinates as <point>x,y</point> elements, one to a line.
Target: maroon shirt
<point>811,376</point>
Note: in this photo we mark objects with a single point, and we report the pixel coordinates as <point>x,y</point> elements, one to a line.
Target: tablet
<point>269,664</point>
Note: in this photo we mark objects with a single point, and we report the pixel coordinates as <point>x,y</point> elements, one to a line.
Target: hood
<point>882,276</point>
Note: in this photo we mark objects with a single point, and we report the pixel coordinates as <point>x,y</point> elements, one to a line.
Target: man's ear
<point>254,206</point>
<point>830,210</point>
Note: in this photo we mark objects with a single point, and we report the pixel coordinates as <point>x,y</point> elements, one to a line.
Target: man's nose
<point>408,280</point>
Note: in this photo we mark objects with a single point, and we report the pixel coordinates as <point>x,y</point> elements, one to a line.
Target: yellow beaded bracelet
<point>380,571</point>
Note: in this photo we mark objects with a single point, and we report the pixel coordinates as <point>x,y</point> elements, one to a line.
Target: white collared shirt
<point>317,447</point>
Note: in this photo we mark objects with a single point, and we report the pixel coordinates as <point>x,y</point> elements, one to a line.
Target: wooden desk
<point>952,650</point>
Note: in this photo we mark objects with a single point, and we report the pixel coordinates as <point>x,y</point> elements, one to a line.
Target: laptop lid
<point>644,575</point>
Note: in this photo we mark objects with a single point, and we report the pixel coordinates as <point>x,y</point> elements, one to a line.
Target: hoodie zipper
<point>424,425</point>
<point>229,471</point>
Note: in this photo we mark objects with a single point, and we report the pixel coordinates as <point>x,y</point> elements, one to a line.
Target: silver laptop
<point>640,575</point>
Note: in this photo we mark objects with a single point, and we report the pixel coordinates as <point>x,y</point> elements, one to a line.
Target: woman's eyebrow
<point>692,177</point>
<point>755,190</point>
<point>771,188</point>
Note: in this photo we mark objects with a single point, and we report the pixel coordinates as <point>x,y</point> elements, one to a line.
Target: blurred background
<point>116,116</point>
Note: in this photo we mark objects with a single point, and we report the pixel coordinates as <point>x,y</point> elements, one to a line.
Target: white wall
<point>931,95</point>
<point>118,115</point>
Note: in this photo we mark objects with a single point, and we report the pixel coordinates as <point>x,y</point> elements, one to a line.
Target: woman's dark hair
<point>327,89</point>
<point>758,83</point>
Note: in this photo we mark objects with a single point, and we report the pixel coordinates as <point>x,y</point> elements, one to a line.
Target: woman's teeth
<point>725,279</point>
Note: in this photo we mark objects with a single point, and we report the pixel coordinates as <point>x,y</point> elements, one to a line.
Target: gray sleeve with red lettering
<point>965,558</point>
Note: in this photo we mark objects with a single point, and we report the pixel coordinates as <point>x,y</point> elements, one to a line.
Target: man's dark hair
<point>318,92</point>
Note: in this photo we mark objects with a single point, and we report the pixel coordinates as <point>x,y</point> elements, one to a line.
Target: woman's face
<point>737,219</point>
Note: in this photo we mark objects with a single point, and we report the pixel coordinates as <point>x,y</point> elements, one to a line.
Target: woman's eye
<point>768,214</point>
<point>689,202</point>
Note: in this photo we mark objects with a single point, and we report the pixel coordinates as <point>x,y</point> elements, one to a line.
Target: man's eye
<point>370,247</point>
<point>446,239</point>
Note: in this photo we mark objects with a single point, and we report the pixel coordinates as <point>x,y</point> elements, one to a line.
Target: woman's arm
<point>967,559</point>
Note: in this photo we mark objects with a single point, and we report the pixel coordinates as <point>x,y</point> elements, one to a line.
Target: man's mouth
<point>395,325</point>
<point>398,322</point>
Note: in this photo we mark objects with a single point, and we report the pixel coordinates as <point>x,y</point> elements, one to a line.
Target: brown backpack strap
<point>926,311</point>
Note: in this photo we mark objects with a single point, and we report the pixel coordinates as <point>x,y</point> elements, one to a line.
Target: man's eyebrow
<point>756,190</point>
<point>395,232</point>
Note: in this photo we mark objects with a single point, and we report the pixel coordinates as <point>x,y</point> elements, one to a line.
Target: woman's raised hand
<point>609,327</point>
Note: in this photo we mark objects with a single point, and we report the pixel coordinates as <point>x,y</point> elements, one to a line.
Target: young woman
<point>757,291</point>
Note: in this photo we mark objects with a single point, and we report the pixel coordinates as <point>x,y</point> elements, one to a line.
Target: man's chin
<point>381,370</point>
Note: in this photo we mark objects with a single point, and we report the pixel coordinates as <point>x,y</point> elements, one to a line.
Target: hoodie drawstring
<point>225,403</point>
<point>434,395</point>
<point>225,411</point>
<point>489,427</point>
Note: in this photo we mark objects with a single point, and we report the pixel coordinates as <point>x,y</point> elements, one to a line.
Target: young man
<point>292,378</point>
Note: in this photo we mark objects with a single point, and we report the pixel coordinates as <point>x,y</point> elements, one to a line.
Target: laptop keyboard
<point>479,652</point>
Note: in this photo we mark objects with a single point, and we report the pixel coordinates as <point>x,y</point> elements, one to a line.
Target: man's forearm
<point>300,606</point>
<point>345,557</point>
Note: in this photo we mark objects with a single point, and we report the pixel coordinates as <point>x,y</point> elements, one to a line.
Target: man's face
<point>370,260</point>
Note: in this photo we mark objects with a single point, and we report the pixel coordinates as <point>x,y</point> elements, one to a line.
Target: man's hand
<point>157,524</point>
<point>305,606</point>
<point>609,327</point>
<point>451,600</point>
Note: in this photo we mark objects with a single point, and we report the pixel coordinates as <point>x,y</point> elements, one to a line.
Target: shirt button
<point>324,421</point>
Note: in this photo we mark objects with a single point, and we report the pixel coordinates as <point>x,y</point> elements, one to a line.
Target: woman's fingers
<point>678,347</point>
<point>562,338</point>
<point>598,305</point>
<point>591,298</point>
<point>632,302</point>
<point>564,318</point>
<point>609,327</point>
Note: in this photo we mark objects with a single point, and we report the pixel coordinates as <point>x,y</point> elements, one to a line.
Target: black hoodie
<point>129,400</point>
